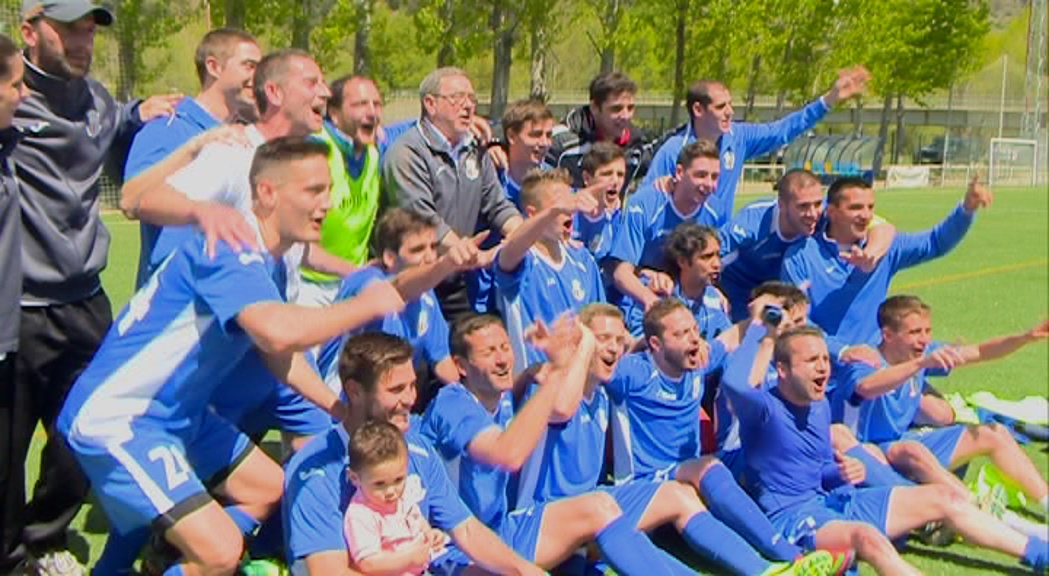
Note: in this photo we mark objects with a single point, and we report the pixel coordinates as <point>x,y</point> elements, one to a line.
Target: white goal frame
<point>994,167</point>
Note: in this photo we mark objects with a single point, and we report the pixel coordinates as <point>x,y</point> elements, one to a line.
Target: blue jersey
<point>569,457</point>
<point>479,282</point>
<point>649,217</point>
<point>174,342</point>
<point>787,448</point>
<point>844,298</point>
<point>655,421</point>
<point>421,323</point>
<point>708,309</point>
<point>540,289</point>
<point>881,419</point>
<point>752,250</point>
<point>742,142</point>
<point>453,419</point>
<point>596,233</point>
<point>317,491</point>
<point>155,141</point>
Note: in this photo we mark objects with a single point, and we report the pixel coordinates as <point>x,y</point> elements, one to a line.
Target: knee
<point>908,454</point>
<point>601,509</point>
<point>945,499</point>
<point>995,436</point>
<point>683,497</point>
<point>223,557</point>
<point>867,541</point>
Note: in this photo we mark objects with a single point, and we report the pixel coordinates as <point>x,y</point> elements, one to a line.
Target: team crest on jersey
<point>697,386</point>
<point>471,168</point>
<point>94,123</point>
<point>577,290</point>
<point>424,322</point>
<point>729,158</point>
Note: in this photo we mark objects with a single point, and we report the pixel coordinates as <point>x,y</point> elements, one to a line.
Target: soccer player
<point>604,172</point>
<point>655,398</point>
<point>528,127</point>
<point>607,118</point>
<point>880,403</point>
<point>538,276</point>
<point>844,297</point>
<point>758,236</point>
<point>225,61</point>
<point>806,487</point>
<point>354,131</point>
<point>440,171</point>
<point>650,215</point>
<point>138,418</point>
<point>484,439</point>
<point>569,459</point>
<point>376,369</point>
<point>691,256</point>
<point>709,106</point>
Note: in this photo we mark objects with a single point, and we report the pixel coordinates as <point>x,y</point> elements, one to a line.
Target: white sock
<point>1045,504</point>
<point>1025,526</point>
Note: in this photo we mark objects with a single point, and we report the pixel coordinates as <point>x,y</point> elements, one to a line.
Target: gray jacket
<point>463,195</point>
<point>71,128</point>
<point>10,246</point>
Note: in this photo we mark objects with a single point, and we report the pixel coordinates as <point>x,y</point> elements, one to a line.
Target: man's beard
<point>56,64</point>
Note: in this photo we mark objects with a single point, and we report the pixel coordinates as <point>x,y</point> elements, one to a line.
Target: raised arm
<point>1005,345</point>
<point>528,233</point>
<point>888,379</point>
<point>296,371</point>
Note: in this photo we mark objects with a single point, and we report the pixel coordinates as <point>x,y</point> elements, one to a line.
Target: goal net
<point>1013,161</point>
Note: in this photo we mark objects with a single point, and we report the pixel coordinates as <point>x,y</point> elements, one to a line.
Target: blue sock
<point>244,521</point>
<point>628,551</point>
<point>174,570</point>
<point>1036,554</point>
<point>878,472</point>
<point>708,536</point>
<point>120,552</point>
<point>674,566</point>
<point>730,504</point>
<point>269,539</point>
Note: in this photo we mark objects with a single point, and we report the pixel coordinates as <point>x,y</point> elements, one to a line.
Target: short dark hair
<point>609,85</point>
<point>218,43</point>
<point>699,92</point>
<point>465,326</point>
<point>367,357</point>
<point>789,293</point>
<point>795,179</point>
<point>272,68</point>
<point>395,224</point>
<point>839,186</point>
<point>894,309</point>
<point>697,149</point>
<point>7,50</point>
<point>781,352</point>
<point>601,153</point>
<point>520,112</point>
<point>685,241</point>
<point>281,150</point>
<point>653,319</point>
<point>375,442</point>
<point>537,180</point>
<point>338,89</point>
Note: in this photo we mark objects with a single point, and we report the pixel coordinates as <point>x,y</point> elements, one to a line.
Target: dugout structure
<point>833,157</point>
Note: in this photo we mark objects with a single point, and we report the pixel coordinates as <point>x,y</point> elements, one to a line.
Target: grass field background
<point>996,282</point>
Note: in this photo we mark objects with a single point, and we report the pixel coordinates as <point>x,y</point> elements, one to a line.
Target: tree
<point>141,25</point>
<point>454,30</point>
<point>612,16</point>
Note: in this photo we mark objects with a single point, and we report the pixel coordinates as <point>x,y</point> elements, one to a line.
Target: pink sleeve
<point>362,531</point>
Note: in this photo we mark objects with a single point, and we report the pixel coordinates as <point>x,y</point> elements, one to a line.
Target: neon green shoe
<point>963,412</point>
<point>818,563</point>
<point>262,567</point>
<point>990,483</point>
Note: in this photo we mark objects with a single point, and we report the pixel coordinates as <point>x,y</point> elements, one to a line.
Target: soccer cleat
<point>55,563</point>
<point>262,567</point>
<point>936,534</point>
<point>818,563</point>
<point>990,479</point>
<point>843,560</point>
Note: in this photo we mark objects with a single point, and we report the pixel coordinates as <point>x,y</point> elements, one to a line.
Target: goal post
<point>1013,161</point>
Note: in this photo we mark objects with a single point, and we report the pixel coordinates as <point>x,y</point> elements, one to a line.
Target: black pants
<point>55,344</point>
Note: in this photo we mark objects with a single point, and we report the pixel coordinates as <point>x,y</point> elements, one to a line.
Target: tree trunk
<point>300,25</point>
<point>446,53</point>
<point>679,59</point>
<point>361,52</point>
<point>611,27</point>
<point>234,12</point>
<point>537,86</point>
<point>503,28</point>
<point>752,86</point>
<point>126,57</point>
<point>781,94</point>
<point>898,151</point>
<point>883,134</point>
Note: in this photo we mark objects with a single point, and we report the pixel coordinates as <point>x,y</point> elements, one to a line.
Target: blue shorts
<point>520,530</point>
<point>799,522</point>
<point>633,498</point>
<point>157,474</point>
<point>252,398</point>
<point>942,442</point>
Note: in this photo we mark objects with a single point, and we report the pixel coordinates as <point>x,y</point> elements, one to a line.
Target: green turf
<point>995,282</point>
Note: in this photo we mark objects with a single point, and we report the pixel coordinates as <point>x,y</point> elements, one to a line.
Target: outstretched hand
<point>851,82</point>
<point>977,195</point>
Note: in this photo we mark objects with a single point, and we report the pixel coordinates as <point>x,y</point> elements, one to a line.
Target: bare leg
<point>569,523</point>
<point>211,544</point>
<point>870,545</point>
<point>255,486</point>
<point>916,461</point>
<point>994,441</point>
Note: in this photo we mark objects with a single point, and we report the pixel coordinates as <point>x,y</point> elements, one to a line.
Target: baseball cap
<point>66,10</point>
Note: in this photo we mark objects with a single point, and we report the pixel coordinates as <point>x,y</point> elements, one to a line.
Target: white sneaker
<point>57,563</point>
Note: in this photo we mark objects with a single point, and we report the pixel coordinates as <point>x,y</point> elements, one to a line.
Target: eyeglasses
<point>457,99</point>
